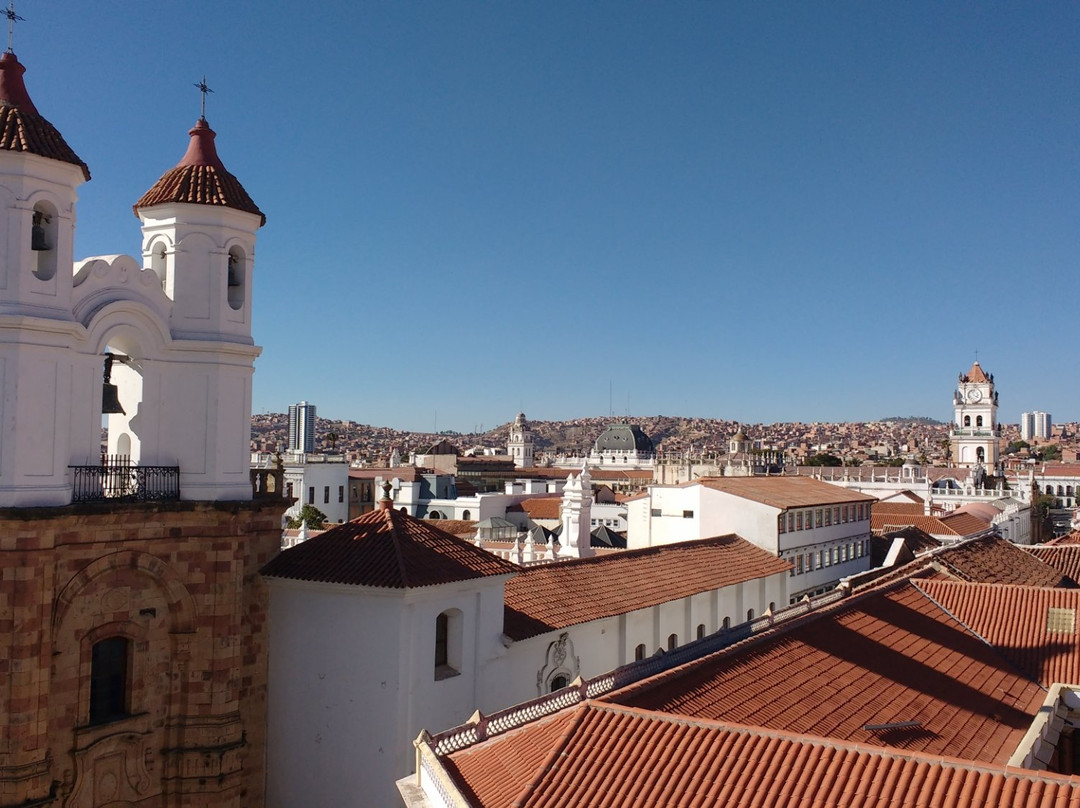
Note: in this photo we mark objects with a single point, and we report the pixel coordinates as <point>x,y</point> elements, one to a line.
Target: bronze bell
<point>110,400</point>
<point>37,238</point>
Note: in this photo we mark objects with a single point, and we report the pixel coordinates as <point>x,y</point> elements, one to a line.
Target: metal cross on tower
<point>12,17</point>
<point>204,90</point>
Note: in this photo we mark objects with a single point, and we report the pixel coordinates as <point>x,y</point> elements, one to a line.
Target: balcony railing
<point>117,479</point>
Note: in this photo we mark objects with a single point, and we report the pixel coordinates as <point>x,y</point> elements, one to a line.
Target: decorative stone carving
<point>560,661</point>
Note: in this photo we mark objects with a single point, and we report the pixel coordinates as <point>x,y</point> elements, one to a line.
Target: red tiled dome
<point>22,129</point>
<point>200,178</point>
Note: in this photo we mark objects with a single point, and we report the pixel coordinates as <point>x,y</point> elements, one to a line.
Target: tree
<point>332,439</point>
<point>309,514</point>
<point>824,459</point>
<point>1016,445</point>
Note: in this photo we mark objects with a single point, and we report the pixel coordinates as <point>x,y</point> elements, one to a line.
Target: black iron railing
<point>118,479</point>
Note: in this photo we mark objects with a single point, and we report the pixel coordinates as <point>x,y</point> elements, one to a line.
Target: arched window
<point>967,420</point>
<point>672,642</point>
<point>466,514</point>
<point>109,680</point>
<point>639,653</point>
<point>727,623</point>
<point>159,263</point>
<point>43,241</point>
<point>448,644</point>
<point>749,614</point>
<point>237,272</point>
<point>978,420</point>
<point>980,454</point>
<point>434,515</point>
<point>559,682</point>
<point>701,631</point>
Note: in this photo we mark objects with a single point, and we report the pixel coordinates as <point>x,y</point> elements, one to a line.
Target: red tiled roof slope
<point>22,128</point>
<point>964,524</point>
<point>993,560</point>
<point>891,656</point>
<point>1065,558</point>
<point>200,178</point>
<point>910,508</point>
<point>1014,619</point>
<point>1069,538</point>
<point>542,507</point>
<point>386,548</point>
<point>554,596</point>
<point>976,374</point>
<point>785,492</point>
<point>605,756</point>
<point>880,522</point>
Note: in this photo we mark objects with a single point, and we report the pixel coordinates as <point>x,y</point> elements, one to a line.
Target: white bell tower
<point>975,431</point>
<point>520,443</point>
<point>198,238</point>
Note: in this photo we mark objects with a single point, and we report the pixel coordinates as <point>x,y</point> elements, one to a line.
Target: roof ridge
<point>395,542</point>
<point>1010,662</point>
<point>550,759</point>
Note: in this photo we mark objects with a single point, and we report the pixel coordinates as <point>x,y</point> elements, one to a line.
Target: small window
<point>798,564</point>
<point>341,493</point>
<point>109,680</point>
<point>798,521</point>
<point>448,644</point>
<point>639,653</point>
<point>828,517</point>
<point>236,273</point>
<point>701,631</point>
<point>326,494</point>
<point>654,512</point>
<point>749,614</point>
<point>465,514</point>
<point>791,523</point>
<point>727,623</point>
<point>311,495</point>
<point>817,518</point>
<point>672,642</point>
<point>687,514</point>
<point>558,683</point>
<point>781,522</point>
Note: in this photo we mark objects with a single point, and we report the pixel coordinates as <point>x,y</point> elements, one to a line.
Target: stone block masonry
<point>179,583</point>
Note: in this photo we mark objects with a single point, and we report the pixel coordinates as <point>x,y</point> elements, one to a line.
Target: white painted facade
<point>822,553</point>
<point>184,331</point>
<point>353,680</point>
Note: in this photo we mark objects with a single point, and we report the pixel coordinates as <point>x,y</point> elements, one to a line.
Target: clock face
<point>974,395</point>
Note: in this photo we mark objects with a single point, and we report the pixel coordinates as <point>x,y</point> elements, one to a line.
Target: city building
<point>1035,425</point>
<point>520,444</point>
<point>823,530</point>
<point>387,624</point>
<point>132,617</point>
<point>302,427</point>
<point>975,431</point>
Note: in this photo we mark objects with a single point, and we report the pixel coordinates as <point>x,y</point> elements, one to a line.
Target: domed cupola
<point>200,178</point>
<point>22,129</point>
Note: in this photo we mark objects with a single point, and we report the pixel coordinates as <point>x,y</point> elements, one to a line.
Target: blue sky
<point>757,211</point>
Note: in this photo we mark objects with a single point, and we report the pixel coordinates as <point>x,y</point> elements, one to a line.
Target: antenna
<point>202,89</point>
<point>12,17</point>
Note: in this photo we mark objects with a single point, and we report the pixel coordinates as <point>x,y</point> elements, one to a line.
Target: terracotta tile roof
<point>633,475</point>
<point>993,560</point>
<point>964,524</point>
<point>1065,558</point>
<point>907,508</point>
<point>22,129</point>
<point>554,596</point>
<point>1018,621</point>
<point>455,527</point>
<point>784,492</point>
<point>887,522</point>
<point>597,755</point>
<point>542,507</point>
<point>976,374</point>
<point>917,541</point>
<point>1070,538</point>
<point>386,548</point>
<point>200,178</point>
<point>891,655</point>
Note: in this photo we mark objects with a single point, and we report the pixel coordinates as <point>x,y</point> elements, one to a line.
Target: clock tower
<point>975,432</point>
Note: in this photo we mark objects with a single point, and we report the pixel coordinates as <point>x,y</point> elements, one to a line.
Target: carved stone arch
<point>182,609</point>
<point>559,661</point>
<point>148,333</point>
<point>100,286</point>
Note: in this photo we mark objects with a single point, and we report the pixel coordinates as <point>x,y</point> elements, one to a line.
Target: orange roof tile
<point>1016,620</point>
<point>886,522</point>
<point>1069,538</point>
<point>386,548</point>
<point>1063,557</point>
<point>891,655</point>
<point>993,560</point>
<point>605,755</point>
<point>455,527</point>
<point>964,524</point>
<point>907,508</point>
<point>542,507</point>
<point>976,374</point>
<point>22,129</point>
<point>784,492</point>
<point>554,596</point>
<point>200,178</point>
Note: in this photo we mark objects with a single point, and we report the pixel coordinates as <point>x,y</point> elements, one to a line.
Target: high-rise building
<point>1035,425</point>
<point>302,427</point>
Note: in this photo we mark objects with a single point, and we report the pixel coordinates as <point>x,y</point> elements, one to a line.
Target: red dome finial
<point>201,150</point>
<point>12,88</point>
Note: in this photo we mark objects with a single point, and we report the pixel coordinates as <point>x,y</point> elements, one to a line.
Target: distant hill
<point>913,419</point>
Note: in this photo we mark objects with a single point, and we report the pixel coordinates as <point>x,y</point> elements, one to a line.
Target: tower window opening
<point>109,680</point>
<point>236,279</point>
<point>43,241</point>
